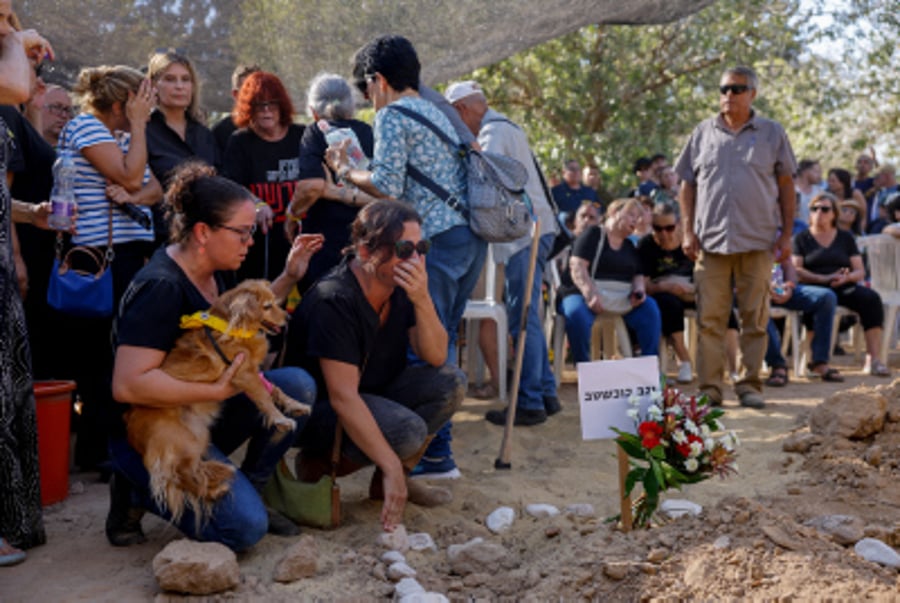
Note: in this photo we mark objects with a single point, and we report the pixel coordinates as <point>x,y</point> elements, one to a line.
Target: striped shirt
<point>82,132</point>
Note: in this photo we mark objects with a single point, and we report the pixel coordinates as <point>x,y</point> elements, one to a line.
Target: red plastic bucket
<point>54,408</point>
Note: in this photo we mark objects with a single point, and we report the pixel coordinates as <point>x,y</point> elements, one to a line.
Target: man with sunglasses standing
<point>737,190</point>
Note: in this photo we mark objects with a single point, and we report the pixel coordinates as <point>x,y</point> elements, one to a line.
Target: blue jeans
<point>418,402</point>
<point>537,379</point>
<point>644,320</point>
<point>453,265</point>
<point>239,519</point>
<point>817,304</point>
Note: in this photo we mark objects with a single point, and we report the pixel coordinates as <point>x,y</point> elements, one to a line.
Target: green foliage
<point>609,94</point>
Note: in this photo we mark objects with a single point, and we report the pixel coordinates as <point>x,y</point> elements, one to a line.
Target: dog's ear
<point>244,312</point>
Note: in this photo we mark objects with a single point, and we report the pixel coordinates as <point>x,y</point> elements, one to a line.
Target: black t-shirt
<point>31,163</point>
<point>166,150</point>
<point>336,322</point>
<point>269,170</point>
<point>614,264</point>
<point>151,309</point>
<point>569,199</point>
<point>222,131</point>
<point>825,260</point>
<point>328,217</point>
<point>657,262</point>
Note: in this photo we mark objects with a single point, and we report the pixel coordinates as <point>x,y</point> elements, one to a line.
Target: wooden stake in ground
<point>503,461</point>
<point>624,499</point>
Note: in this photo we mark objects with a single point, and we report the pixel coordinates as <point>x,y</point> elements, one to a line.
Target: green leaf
<point>632,446</point>
<point>634,476</point>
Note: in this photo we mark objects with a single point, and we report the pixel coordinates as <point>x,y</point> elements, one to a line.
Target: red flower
<point>650,433</point>
<point>685,449</point>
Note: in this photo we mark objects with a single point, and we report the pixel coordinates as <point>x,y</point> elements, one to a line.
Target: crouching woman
<point>213,220</point>
<point>352,332</point>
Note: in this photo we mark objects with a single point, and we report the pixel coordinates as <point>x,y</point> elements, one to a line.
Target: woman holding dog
<point>352,332</point>
<point>213,221</point>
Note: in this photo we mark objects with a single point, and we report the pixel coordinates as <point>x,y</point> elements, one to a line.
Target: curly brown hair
<point>262,86</point>
<point>197,194</point>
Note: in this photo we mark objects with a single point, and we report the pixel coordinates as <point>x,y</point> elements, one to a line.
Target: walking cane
<point>503,461</point>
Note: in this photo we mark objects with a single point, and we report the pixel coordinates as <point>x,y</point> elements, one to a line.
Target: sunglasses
<point>667,228</point>
<point>265,105</point>
<point>404,249</point>
<point>246,233</point>
<point>733,88</point>
<point>822,208</point>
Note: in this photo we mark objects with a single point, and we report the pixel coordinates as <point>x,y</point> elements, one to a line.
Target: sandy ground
<point>560,557</point>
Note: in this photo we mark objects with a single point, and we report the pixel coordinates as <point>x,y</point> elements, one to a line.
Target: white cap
<point>460,90</point>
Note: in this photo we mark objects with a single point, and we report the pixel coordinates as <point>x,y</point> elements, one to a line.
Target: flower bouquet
<point>674,445</point>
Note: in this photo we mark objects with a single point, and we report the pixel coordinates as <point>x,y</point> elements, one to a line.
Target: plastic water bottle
<point>778,279</point>
<point>333,136</point>
<point>62,197</point>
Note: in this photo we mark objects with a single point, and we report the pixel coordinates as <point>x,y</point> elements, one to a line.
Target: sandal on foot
<point>484,392</point>
<point>12,556</point>
<point>778,377</point>
<point>878,369</point>
<point>832,375</point>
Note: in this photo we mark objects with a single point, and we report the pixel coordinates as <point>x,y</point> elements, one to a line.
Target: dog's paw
<point>283,424</point>
<point>297,409</point>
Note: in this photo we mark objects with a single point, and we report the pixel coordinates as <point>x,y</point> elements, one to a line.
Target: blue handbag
<point>87,290</point>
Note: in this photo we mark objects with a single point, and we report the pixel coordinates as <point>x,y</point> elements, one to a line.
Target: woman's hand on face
<point>395,494</point>
<point>140,103</point>
<point>410,275</point>
<point>37,48</point>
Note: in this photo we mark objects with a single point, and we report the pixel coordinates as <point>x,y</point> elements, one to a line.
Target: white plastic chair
<point>883,253</point>
<point>491,309</point>
<point>792,324</point>
<point>608,333</point>
<point>554,322</point>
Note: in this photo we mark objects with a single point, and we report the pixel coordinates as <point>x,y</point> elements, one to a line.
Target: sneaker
<point>524,417</point>
<point>436,468</point>
<point>685,373</point>
<point>551,405</point>
<point>752,400</point>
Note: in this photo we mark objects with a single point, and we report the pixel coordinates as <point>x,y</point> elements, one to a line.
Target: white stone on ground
<point>872,549</point>
<point>541,511</point>
<point>581,510</point>
<point>677,507</point>
<point>407,587</point>
<point>399,570</point>
<point>500,519</point>
<point>396,540</point>
<point>421,541</point>
<point>390,557</point>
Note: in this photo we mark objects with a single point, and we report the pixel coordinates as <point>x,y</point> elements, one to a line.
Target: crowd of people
<point>340,217</point>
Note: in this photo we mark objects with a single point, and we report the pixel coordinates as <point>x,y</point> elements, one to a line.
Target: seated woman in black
<point>352,332</point>
<point>827,256</point>
<point>670,281</point>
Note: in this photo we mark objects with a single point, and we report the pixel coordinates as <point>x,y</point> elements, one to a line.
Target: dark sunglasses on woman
<point>404,249</point>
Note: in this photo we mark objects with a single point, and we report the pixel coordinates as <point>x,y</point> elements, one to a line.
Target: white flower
<point>678,437</point>
<point>691,465</point>
<point>735,439</point>
<point>691,427</point>
<point>654,412</point>
<point>656,397</point>
<point>676,411</point>
<point>696,449</point>
<point>709,444</point>
<point>719,426</point>
<point>632,413</point>
<point>633,400</point>
<point>704,430</point>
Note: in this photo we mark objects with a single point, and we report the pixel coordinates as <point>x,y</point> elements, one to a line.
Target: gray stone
<point>722,542</point>
<point>541,511</point>
<point>476,556</point>
<point>873,455</point>
<point>396,540</point>
<point>843,529</point>
<point>657,555</point>
<point>780,537</point>
<point>853,414</point>
<point>801,442</point>
<point>196,568</point>
<point>616,570</point>
<point>399,570</point>
<point>390,557</point>
<point>299,561</point>
<point>500,519</point>
<point>421,541</point>
<point>581,510</point>
<point>424,598</point>
<point>677,507</point>
<point>407,587</point>
<point>871,549</point>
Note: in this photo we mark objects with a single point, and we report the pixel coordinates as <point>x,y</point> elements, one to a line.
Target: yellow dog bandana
<point>203,318</point>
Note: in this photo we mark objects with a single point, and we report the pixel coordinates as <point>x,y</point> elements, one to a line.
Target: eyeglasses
<point>246,233</point>
<point>666,228</point>
<point>404,249</point>
<point>822,208</point>
<point>61,110</point>
<point>733,88</point>
<point>268,105</point>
